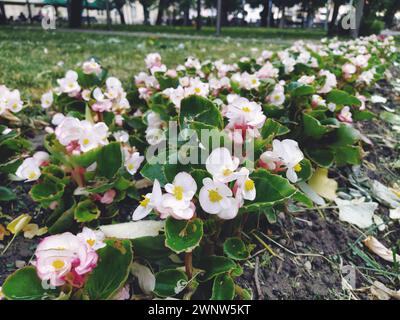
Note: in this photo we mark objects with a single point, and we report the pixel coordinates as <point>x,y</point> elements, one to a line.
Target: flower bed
<point>207,150</point>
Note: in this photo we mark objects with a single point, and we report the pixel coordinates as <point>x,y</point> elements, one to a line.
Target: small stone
<point>308,265</point>
<point>20,263</point>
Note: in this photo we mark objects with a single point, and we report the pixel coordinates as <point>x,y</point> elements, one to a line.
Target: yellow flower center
<point>91,242</point>
<point>246,109</point>
<point>145,201</point>
<point>130,166</point>
<point>178,192</point>
<point>249,185</point>
<point>297,167</point>
<point>32,175</point>
<point>254,81</point>
<point>197,90</point>
<point>277,97</point>
<point>227,172</point>
<point>214,196</point>
<point>58,264</point>
<point>86,141</point>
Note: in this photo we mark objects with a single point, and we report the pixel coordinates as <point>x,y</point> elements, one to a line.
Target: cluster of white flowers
<point>215,196</point>
<point>10,100</point>
<point>81,135</point>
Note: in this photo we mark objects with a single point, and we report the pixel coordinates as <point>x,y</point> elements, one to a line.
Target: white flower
<point>29,170</point>
<point>150,201</point>
<point>14,102</point>
<point>133,163</point>
<point>284,153</point>
<point>222,165</point>
<point>153,60</point>
<point>241,110</point>
<point>69,84</point>
<point>47,99</point>
<point>93,239</point>
<point>246,189</point>
<point>216,198</point>
<point>197,87</point>
<point>179,195</point>
<point>330,81</point>
<point>91,66</point>
<point>306,79</point>
<point>276,98</point>
<point>317,101</point>
<point>349,69</point>
<point>121,136</point>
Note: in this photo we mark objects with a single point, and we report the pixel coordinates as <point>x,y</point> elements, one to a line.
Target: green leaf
<point>313,127</point>
<point>170,282</point>
<point>47,191</point>
<point>6,194</point>
<point>306,170</point>
<point>112,270</point>
<point>347,155</point>
<point>86,211</point>
<point>302,198</point>
<point>235,249</point>
<point>85,159</point>
<point>196,108</point>
<point>274,128</point>
<point>271,188</point>
<point>24,284</point>
<point>160,168</point>
<point>183,235</point>
<point>63,222</point>
<point>151,248</point>
<point>223,288</point>
<point>345,135</point>
<point>362,115</point>
<point>109,160</point>
<point>215,265</point>
<point>270,214</point>
<point>342,98</point>
<point>304,90</point>
<point>322,157</point>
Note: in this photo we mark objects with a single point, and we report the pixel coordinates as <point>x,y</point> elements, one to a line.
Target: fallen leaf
<point>384,194</point>
<point>146,279</point>
<point>19,223</point>
<point>394,213</point>
<point>379,249</point>
<point>3,232</point>
<point>382,292</point>
<point>133,230</point>
<point>322,185</point>
<point>379,222</point>
<point>378,99</point>
<point>356,211</point>
<point>309,192</point>
<point>32,230</point>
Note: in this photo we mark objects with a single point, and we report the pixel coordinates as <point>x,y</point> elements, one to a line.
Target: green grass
<point>234,32</point>
<point>29,59</point>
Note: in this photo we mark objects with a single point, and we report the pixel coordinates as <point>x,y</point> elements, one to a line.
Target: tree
<point>392,7</point>
<point>264,13</point>
<point>146,10</point>
<point>3,17</point>
<point>310,7</point>
<point>228,6</point>
<point>332,24</point>
<point>282,5</point>
<point>198,20</point>
<point>162,4</point>
<point>118,6</point>
<point>75,8</point>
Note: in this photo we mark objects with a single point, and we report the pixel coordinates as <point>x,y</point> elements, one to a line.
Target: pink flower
<point>345,115</point>
<point>108,197</point>
<point>64,258</point>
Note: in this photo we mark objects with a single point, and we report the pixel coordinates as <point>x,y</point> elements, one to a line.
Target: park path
<point>173,36</point>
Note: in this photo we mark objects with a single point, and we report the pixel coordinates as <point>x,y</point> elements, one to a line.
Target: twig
<point>267,247</point>
<point>257,280</point>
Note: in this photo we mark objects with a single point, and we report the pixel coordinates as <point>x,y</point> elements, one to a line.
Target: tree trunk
<point>224,13</point>
<point>331,27</point>
<point>146,14</point>
<point>186,16</point>
<point>75,8</point>
<point>121,15</point>
<point>3,16</point>
<point>264,14</point>
<point>359,16</point>
<point>390,13</point>
<point>310,17</point>
<point>282,22</point>
<point>198,20</point>
<point>160,14</point>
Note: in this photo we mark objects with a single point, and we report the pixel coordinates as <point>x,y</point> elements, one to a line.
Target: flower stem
<point>189,264</point>
<point>8,245</point>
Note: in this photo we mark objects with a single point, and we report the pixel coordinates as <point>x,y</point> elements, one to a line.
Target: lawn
<point>30,60</point>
